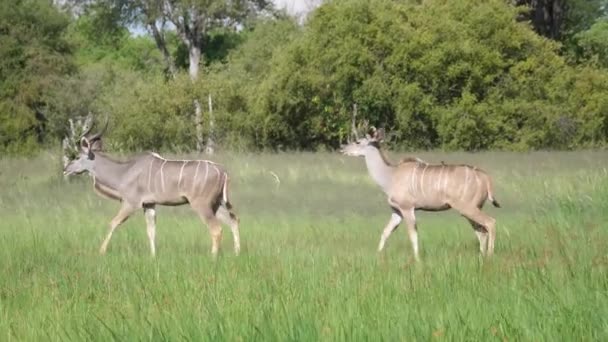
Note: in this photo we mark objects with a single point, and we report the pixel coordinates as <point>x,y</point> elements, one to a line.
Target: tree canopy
<point>459,74</point>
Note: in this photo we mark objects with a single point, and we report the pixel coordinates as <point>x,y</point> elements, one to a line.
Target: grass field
<point>309,269</point>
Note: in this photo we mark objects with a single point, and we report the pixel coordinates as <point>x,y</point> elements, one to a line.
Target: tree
<point>561,19</point>
<point>450,74</point>
<point>593,43</point>
<point>33,57</point>
<point>192,20</point>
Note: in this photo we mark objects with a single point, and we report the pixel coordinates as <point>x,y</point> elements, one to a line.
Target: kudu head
<point>360,146</point>
<point>85,156</point>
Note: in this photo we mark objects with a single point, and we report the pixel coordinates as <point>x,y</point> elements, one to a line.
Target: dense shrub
<point>451,74</point>
<point>33,57</point>
<point>459,74</point>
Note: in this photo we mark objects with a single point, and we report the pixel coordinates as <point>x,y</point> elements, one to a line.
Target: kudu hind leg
<point>227,217</point>
<point>123,214</point>
<point>482,236</point>
<point>215,229</point>
<point>489,223</point>
<point>412,230</point>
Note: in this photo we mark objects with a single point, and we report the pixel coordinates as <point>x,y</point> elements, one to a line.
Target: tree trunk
<point>198,122</point>
<point>162,46</point>
<point>195,58</point>
<point>547,16</point>
<point>210,148</point>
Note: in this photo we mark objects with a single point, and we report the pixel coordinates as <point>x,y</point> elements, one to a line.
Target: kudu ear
<point>380,135</point>
<point>376,134</point>
<point>85,144</point>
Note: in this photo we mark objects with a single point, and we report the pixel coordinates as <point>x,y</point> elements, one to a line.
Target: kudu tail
<point>491,194</point>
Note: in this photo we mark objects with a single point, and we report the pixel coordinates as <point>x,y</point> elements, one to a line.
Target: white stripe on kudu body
<point>162,177</point>
<point>181,173</point>
<point>422,185</point>
<point>126,181</point>
<point>438,184</point>
<point>150,175</point>
<point>196,174</point>
<point>447,188</point>
<point>466,183</point>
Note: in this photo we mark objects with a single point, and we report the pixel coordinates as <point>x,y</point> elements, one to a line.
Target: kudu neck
<point>107,171</point>
<point>378,168</point>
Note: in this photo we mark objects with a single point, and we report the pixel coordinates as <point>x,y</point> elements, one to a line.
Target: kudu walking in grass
<point>416,185</point>
<point>149,180</point>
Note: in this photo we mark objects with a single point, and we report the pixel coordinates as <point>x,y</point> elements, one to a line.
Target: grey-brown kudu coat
<point>149,180</point>
<point>416,185</point>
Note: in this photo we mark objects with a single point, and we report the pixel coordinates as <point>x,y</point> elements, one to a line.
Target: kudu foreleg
<point>123,214</point>
<point>150,213</point>
<point>392,224</point>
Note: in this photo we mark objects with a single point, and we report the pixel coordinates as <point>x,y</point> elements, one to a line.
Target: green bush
<point>150,113</point>
<point>450,74</point>
<point>33,57</point>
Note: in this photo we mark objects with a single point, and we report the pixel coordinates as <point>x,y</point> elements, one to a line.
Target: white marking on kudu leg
<point>150,214</point>
<point>181,172</point>
<point>162,178</point>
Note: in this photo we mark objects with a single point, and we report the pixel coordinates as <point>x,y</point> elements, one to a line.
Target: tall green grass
<point>309,269</point>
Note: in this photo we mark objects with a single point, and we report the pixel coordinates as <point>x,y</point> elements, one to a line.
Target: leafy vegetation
<point>455,75</point>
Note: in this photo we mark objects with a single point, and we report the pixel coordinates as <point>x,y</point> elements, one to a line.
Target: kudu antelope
<point>149,180</point>
<point>416,185</point>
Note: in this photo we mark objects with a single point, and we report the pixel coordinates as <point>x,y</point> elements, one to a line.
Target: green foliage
<point>452,74</point>
<point>593,43</point>
<point>33,56</point>
<point>235,86</point>
<point>98,39</point>
<point>149,113</point>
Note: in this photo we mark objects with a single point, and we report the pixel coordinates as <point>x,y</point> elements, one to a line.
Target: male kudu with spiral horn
<point>149,180</point>
<point>416,185</point>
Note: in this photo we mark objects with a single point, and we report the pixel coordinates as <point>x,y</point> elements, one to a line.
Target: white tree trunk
<point>210,148</point>
<point>195,59</point>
